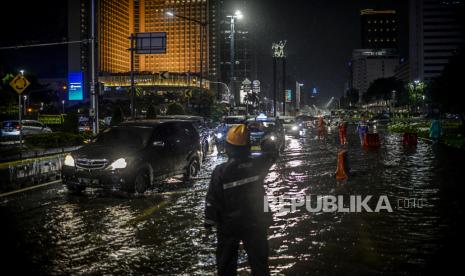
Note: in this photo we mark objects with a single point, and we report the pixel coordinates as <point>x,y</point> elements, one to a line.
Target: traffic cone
<point>342,172</point>
<point>371,140</point>
<point>410,139</point>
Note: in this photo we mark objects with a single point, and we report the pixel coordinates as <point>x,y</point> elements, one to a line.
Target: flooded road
<point>53,232</point>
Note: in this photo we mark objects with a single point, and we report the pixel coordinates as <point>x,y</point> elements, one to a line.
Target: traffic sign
<point>188,94</point>
<point>19,83</point>
<point>164,75</point>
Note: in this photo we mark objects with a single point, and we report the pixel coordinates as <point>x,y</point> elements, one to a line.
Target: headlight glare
<point>219,135</point>
<point>69,161</point>
<point>118,164</point>
<point>295,127</point>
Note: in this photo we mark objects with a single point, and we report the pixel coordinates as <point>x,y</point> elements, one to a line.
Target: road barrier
<point>22,173</point>
<point>409,139</point>
<point>371,140</point>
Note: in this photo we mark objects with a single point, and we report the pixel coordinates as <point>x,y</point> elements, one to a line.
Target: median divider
<point>19,174</point>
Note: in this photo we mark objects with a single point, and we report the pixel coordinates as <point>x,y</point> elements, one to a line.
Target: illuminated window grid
<point>183,36</point>
<point>114,33</point>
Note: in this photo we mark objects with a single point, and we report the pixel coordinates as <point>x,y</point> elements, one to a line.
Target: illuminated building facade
<point>379,29</point>
<point>115,25</point>
<point>118,19</point>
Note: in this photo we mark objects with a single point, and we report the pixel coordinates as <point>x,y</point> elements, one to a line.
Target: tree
<point>175,109</point>
<point>382,89</point>
<point>151,112</point>
<point>71,123</point>
<point>447,89</point>
<point>117,116</point>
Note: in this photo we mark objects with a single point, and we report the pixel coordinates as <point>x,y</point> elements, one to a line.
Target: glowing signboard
<point>288,96</point>
<point>75,86</point>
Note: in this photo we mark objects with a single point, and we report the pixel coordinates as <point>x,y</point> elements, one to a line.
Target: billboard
<point>150,43</point>
<point>75,86</point>
<point>288,96</point>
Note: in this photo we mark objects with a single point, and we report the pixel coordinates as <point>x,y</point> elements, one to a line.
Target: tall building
<point>369,65</point>
<point>436,33</point>
<point>118,19</point>
<point>79,29</point>
<point>115,25</point>
<point>379,29</point>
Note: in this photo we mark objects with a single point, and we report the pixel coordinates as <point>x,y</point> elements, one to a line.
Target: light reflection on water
<point>163,233</point>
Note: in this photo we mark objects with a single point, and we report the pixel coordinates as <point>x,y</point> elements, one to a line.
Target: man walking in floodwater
<point>342,127</point>
<point>235,205</point>
<point>435,131</point>
<point>362,128</point>
<point>321,127</point>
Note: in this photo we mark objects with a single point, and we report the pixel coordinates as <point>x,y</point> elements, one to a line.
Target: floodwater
<point>49,231</point>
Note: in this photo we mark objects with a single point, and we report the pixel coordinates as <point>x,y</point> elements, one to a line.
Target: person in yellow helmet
<point>235,205</point>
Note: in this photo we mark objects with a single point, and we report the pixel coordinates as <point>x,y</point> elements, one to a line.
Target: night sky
<point>320,33</point>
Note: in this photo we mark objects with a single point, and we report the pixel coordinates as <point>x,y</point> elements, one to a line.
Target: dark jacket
<point>235,198</point>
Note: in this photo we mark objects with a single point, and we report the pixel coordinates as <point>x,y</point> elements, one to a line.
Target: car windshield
<point>132,136</point>
<point>233,121</point>
<point>289,121</point>
<point>9,124</point>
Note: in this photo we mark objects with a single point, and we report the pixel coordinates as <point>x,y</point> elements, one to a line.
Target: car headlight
<point>219,135</point>
<point>272,138</point>
<point>295,127</point>
<point>118,164</point>
<point>69,161</point>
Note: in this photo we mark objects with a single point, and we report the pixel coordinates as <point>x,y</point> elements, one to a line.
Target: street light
<point>63,104</point>
<point>22,72</point>
<point>238,14</point>
<point>225,85</point>
<point>202,25</point>
<point>415,84</point>
<point>25,104</point>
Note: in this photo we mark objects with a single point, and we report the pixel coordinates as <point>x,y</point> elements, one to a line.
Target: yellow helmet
<point>238,135</point>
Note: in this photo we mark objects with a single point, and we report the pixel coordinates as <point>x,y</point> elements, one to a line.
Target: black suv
<point>202,127</point>
<point>134,155</point>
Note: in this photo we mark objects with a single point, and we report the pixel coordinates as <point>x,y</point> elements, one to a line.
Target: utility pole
<point>232,61</point>
<point>133,91</point>
<point>274,87</point>
<point>278,53</point>
<point>284,86</point>
<point>93,93</point>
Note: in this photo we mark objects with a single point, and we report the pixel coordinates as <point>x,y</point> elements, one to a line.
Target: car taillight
<point>18,127</point>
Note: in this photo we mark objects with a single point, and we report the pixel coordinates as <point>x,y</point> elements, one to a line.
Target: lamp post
<point>202,25</point>
<point>19,117</point>
<point>25,104</point>
<point>237,15</point>
<point>225,85</point>
<point>415,84</point>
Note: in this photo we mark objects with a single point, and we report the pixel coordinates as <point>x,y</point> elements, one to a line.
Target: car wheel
<point>192,169</point>
<point>141,182</point>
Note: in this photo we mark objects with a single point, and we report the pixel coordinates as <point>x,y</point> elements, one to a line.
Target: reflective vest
<point>235,197</point>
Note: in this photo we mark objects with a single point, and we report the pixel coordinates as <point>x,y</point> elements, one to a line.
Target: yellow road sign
<point>188,93</point>
<point>19,83</point>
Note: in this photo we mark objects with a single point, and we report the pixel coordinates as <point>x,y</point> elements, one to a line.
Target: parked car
<point>30,127</point>
<point>205,131</point>
<point>133,156</point>
<point>291,126</point>
<point>266,131</point>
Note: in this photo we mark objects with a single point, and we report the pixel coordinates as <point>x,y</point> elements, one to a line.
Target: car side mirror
<point>158,144</point>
